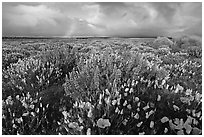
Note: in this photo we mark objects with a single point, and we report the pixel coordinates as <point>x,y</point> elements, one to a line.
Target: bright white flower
<point>100,99</point>
<point>103,123</point>
<point>151,124</point>
<point>80,119</point>
<point>65,114</point>
<point>19,120</point>
<point>139,124</point>
<point>193,112</point>
<point>114,102</point>
<point>88,105</point>
<point>125,122</point>
<point>126,89</point>
<point>141,133</point>
<point>188,92</point>
<point>32,106</point>
<point>136,99</point>
<point>121,112</point>
<point>129,106</point>
<point>146,107</point>
<point>117,110</point>
<point>107,92</point>
<point>164,119</point>
<point>198,97</point>
<point>198,114</point>
<point>163,81</point>
<point>136,116</point>
<point>131,90</point>
<point>88,132</point>
<point>125,103</point>
<point>139,104</point>
<point>73,125</point>
<point>175,107</point>
<point>89,113</point>
<point>32,113</point>
<point>165,130</point>
<point>25,114</point>
<point>17,97</point>
<point>180,87</point>
<point>158,98</point>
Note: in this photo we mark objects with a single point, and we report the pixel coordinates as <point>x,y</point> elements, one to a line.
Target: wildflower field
<point>102,86</point>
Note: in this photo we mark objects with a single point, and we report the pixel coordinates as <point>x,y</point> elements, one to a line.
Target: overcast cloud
<point>101,19</point>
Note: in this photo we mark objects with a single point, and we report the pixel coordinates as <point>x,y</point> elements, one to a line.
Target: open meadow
<point>102,86</point>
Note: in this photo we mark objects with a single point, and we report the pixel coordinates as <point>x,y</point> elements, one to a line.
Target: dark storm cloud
<point>102,19</point>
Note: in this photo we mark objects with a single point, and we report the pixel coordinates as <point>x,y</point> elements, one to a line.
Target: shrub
<point>162,41</point>
<point>194,52</point>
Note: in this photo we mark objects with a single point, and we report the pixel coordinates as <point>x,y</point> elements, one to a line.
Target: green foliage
<point>162,41</point>
<point>115,88</point>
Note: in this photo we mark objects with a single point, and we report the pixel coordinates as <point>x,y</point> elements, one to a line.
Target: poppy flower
<point>88,132</point>
<point>114,102</point>
<point>103,123</point>
<point>136,116</point>
<point>73,125</point>
<point>165,130</point>
<point>151,124</point>
<point>164,119</point>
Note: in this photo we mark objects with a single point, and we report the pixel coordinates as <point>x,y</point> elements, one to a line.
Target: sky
<point>116,19</point>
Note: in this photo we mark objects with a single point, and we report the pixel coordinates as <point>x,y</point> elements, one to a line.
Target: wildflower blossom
<point>129,106</point>
<point>141,133</point>
<point>158,98</point>
<point>25,114</point>
<point>121,112</point>
<point>33,114</point>
<point>188,92</point>
<point>126,89</point>
<point>176,108</point>
<point>125,122</point>
<point>165,130</point>
<point>125,103</point>
<point>32,106</point>
<point>131,90</point>
<point>136,116</point>
<point>19,120</point>
<point>164,119</point>
<point>65,114</point>
<point>9,100</point>
<point>146,107</point>
<point>198,114</point>
<point>107,92</point>
<point>114,102</point>
<point>89,113</point>
<point>136,99</point>
<point>117,110</point>
<point>100,99</point>
<point>73,125</point>
<point>139,124</point>
<point>151,124</point>
<point>88,105</point>
<point>88,132</point>
<point>103,123</point>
